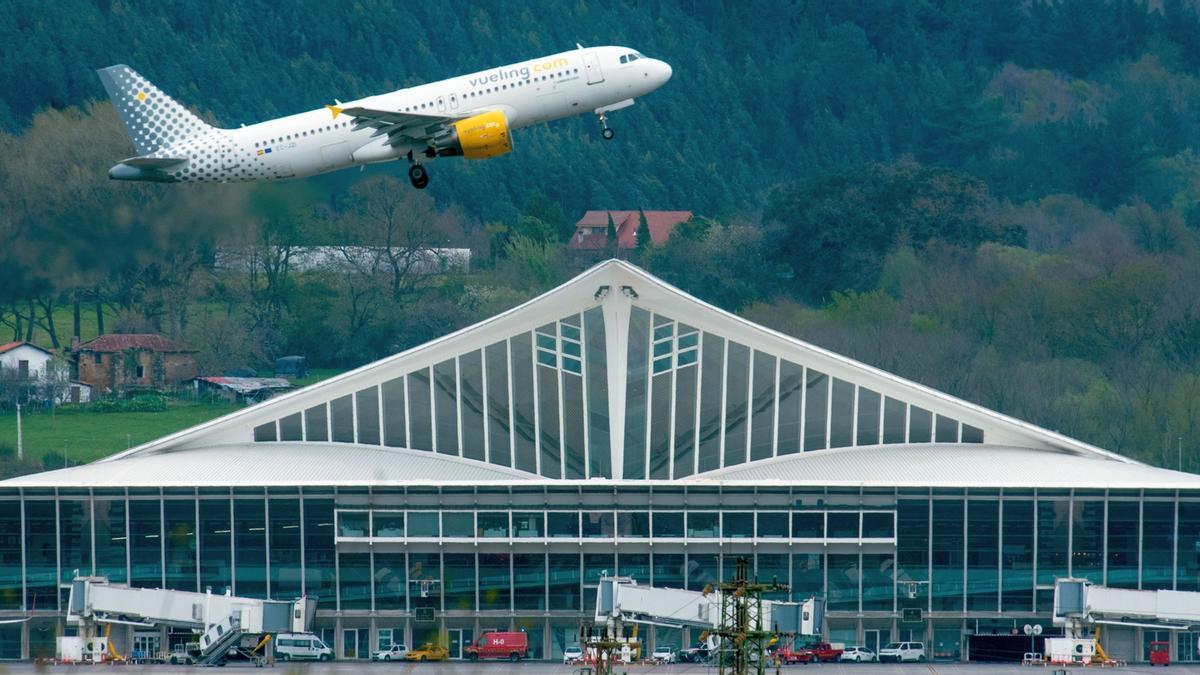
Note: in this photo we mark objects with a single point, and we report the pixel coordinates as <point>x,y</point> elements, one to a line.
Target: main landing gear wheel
<point>604,130</point>
<point>419,176</point>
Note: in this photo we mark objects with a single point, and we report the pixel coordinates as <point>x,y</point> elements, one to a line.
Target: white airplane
<point>470,116</point>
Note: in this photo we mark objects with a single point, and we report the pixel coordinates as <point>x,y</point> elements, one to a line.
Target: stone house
<point>119,362</point>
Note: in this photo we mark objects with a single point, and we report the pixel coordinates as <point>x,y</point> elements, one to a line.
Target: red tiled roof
<point>118,342</point>
<point>660,223</point>
<point>8,347</point>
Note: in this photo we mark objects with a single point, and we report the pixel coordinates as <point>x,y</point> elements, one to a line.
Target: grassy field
<point>63,323</point>
<point>315,375</point>
<point>83,436</point>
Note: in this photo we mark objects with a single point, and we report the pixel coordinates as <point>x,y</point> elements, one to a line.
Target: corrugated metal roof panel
<point>944,465</point>
<point>953,465</point>
<point>275,464</point>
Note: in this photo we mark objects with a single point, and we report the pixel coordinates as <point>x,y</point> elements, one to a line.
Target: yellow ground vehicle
<point>428,652</point>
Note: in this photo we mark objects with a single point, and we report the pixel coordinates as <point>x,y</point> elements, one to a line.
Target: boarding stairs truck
<point>621,600</point>
<point>220,621</point>
<point>1082,607</point>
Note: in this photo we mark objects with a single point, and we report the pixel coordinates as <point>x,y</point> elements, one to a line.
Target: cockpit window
<point>629,58</point>
<point>624,58</point>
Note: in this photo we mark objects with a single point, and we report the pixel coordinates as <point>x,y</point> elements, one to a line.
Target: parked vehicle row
<point>514,646</point>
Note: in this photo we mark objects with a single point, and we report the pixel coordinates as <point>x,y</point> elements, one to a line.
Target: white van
<point>301,647</point>
<point>903,651</point>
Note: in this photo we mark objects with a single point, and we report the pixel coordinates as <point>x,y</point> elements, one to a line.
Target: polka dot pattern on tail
<point>152,119</point>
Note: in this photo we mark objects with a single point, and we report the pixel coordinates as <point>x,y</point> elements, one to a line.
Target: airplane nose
<point>664,72</point>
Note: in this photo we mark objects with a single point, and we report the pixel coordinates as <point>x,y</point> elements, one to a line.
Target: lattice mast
<point>744,638</point>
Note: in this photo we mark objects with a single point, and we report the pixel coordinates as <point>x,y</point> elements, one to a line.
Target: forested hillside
<point>995,198</point>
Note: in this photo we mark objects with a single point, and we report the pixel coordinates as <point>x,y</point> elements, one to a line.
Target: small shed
<point>291,366</point>
<point>244,389</point>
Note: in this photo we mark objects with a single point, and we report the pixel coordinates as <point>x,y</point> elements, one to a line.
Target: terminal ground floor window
<point>1188,647</point>
<point>457,639</point>
<point>10,642</point>
<point>947,643</point>
<point>390,636</point>
<point>1151,636</point>
<point>356,643</point>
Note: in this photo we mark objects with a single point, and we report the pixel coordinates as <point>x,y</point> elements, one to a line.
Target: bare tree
<point>402,226</point>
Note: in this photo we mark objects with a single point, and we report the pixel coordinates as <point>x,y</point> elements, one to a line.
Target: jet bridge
<point>737,625</point>
<point>220,620</point>
<point>622,599</point>
<point>1078,603</point>
<point>1081,607</point>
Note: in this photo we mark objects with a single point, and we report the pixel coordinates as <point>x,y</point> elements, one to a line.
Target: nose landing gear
<point>604,130</point>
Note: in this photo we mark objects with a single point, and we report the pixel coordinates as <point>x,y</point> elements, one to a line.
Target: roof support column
<point>616,303</point>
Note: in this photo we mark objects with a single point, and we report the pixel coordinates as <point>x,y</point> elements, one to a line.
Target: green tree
<point>611,245</point>
<point>835,230</point>
<point>644,240</point>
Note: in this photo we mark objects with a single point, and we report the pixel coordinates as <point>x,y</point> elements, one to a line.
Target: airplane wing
<point>402,128</point>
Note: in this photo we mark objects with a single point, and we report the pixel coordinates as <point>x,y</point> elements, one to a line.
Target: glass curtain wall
<point>981,549</point>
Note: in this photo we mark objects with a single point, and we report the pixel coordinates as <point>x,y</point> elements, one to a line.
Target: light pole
<point>20,443</point>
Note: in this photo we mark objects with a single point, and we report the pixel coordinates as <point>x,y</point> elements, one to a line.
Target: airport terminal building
<point>614,424</point>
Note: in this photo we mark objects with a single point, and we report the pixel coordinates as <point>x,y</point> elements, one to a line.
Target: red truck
<point>511,645</point>
<point>823,651</point>
<point>787,655</point>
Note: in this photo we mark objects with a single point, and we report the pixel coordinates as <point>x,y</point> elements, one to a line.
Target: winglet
<point>335,110</point>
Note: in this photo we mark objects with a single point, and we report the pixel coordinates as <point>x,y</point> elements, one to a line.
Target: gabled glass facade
<point>697,402</point>
<point>537,402</point>
<point>694,401</point>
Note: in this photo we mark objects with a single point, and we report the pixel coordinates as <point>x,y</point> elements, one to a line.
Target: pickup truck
<point>787,655</point>
<point>823,651</point>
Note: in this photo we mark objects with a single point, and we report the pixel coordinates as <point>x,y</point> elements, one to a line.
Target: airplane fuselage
<point>591,80</point>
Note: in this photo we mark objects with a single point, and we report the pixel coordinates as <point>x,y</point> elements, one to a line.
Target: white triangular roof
<point>615,286</point>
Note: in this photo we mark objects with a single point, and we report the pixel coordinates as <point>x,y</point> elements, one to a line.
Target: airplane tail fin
<point>152,119</point>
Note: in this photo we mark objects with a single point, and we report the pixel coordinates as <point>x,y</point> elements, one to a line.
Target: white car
<point>903,651</point>
<point>396,653</point>
<point>857,654</point>
<point>663,655</point>
<point>572,654</point>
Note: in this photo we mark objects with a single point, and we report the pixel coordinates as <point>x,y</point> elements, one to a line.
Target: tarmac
<point>543,668</point>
